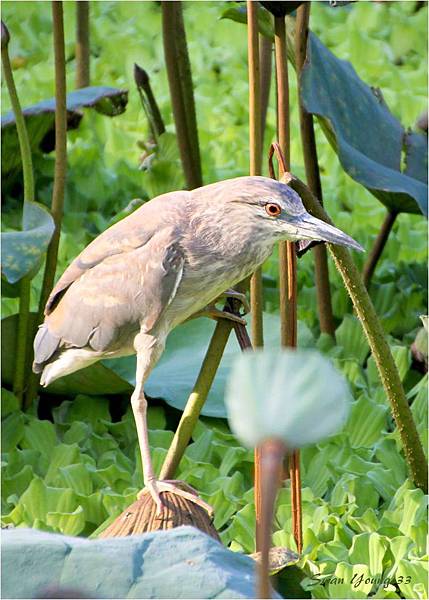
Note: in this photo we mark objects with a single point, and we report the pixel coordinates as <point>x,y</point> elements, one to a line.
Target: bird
<point>172,259</point>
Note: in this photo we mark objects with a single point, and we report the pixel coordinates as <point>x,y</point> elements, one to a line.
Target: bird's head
<point>277,212</point>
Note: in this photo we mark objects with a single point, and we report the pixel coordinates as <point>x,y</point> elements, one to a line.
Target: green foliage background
<point>76,472</point>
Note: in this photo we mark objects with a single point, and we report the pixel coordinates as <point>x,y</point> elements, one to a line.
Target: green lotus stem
<point>324,302</point>
<point>377,249</point>
<point>21,366</point>
<point>60,169</point>
<point>60,150</point>
<point>181,91</point>
<point>196,399</point>
<point>24,142</point>
<point>389,375</point>
<point>202,387</point>
<point>82,44</point>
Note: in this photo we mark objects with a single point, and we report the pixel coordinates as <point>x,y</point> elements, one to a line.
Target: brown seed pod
<point>280,9</point>
<point>140,517</point>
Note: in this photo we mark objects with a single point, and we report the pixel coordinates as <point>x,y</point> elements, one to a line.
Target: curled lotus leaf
<point>22,250</point>
<point>40,120</point>
<point>369,140</point>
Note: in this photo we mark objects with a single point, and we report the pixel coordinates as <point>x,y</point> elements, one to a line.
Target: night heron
<point>171,259</point>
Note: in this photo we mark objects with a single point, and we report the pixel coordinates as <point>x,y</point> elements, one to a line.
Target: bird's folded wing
<point>131,233</point>
<point>112,242</point>
<point>123,293</point>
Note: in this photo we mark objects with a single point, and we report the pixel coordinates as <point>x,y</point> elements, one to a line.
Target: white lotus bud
<point>296,396</point>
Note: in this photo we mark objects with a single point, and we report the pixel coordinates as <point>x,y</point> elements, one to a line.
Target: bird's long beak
<point>309,228</point>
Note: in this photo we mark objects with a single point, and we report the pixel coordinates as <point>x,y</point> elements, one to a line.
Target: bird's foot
<point>212,312</point>
<point>234,295</point>
<point>216,313</point>
<point>155,487</point>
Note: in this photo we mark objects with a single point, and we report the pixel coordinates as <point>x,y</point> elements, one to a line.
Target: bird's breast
<point>207,274</point>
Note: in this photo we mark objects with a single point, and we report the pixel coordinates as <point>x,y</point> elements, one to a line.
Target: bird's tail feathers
<point>45,345</point>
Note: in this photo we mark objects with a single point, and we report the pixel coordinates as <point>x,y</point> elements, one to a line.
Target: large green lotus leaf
<point>174,376</point>
<point>369,140</point>
<point>184,562</point>
<point>96,380</point>
<point>22,250</point>
<point>40,120</point>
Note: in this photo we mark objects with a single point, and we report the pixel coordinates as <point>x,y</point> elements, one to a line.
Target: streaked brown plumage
<point>168,260</point>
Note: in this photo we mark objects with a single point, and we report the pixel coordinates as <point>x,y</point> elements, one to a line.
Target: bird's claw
<point>155,487</point>
<point>215,313</point>
<point>152,488</point>
<point>242,298</point>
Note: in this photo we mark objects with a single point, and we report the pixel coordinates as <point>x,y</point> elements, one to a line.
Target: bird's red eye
<point>272,209</point>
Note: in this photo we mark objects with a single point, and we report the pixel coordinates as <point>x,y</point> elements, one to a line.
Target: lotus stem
<point>272,454</point>
<point>387,369</point>
<point>21,366</point>
<point>378,247</point>
<point>265,61</point>
<point>181,91</point>
<point>82,44</point>
<point>287,255</point>
<point>60,169</point>
<point>255,150</point>
<point>60,150</point>
<point>324,302</point>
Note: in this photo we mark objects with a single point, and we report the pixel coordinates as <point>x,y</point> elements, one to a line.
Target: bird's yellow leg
<point>147,353</point>
<point>172,486</point>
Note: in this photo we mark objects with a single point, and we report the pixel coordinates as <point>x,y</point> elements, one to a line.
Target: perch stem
<point>201,390</point>
<point>196,399</point>
<point>21,366</point>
